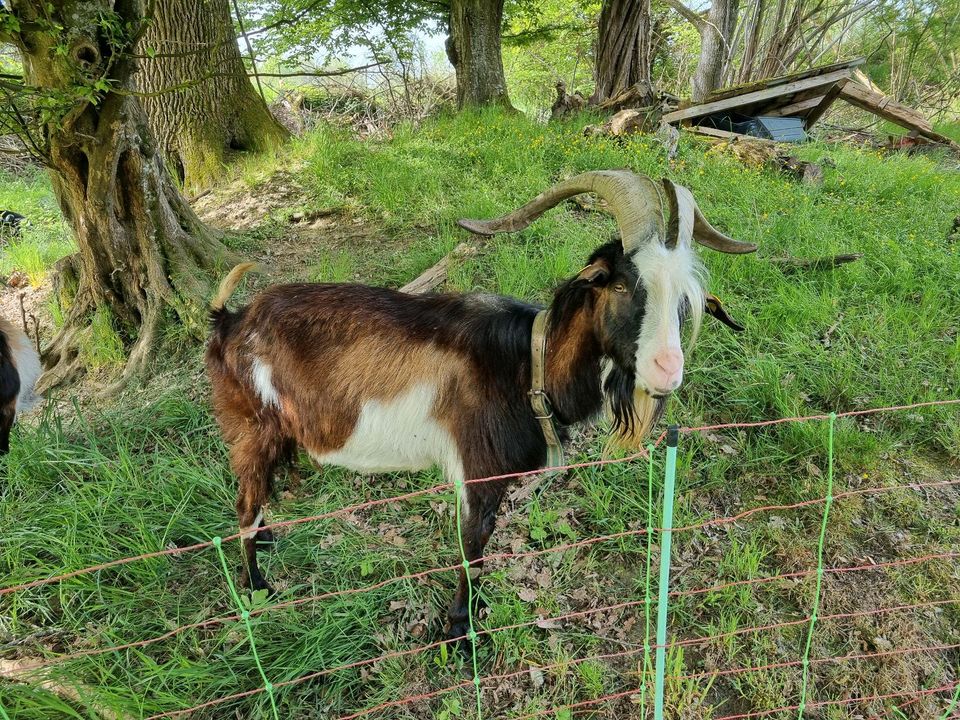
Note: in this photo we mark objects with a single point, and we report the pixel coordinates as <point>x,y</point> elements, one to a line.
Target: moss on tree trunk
<point>200,103</point>
<point>143,253</point>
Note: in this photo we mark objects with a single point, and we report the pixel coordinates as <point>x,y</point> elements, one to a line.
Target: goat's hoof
<point>255,583</point>
<point>264,585</point>
<point>459,633</point>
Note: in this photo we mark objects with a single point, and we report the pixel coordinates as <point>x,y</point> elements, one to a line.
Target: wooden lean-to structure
<point>806,95</point>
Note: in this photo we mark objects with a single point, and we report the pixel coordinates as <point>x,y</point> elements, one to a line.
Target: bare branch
<point>323,73</point>
<point>253,57</point>
<point>697,19</point>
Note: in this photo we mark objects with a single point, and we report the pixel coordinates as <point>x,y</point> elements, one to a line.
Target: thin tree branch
<point>698,20</point>
<point>253,57</point>
<point>323,73</point>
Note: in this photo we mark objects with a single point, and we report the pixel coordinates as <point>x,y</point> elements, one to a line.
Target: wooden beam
<point>727,92</point>
<point>776,103</point>
<point>796,109</point>
<point>725,134</point>
<point>756,96</point>
<point>828,99</point>
<point>882,106</point>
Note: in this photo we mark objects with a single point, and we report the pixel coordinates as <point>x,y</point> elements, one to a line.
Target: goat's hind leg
<point>288,457</point>
<point>478,518</point>
<point>9,389</point>
<point>253,459</point>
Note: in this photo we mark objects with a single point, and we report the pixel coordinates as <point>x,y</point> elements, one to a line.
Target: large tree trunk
<point>622,57</point>
<point>143,253</point>
<point>199,100</point>
<point>473,48</point>
<point>716,32</point>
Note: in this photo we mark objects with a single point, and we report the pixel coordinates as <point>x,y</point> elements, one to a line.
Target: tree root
<point>142,352</point>
<point>62,358</point>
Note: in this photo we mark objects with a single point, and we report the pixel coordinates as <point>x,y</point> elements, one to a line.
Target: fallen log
<point>627,122</point>
<point>759,152</point>
<point>434,276</point>
<point>638,95</point>
<point>788,264</point>
<point>806,172</point>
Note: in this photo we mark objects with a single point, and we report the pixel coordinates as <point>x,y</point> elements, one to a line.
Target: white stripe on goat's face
<point>672,282</point>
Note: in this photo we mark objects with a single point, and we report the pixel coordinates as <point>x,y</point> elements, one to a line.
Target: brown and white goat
<point>19,370</point>
<point>376,380</point>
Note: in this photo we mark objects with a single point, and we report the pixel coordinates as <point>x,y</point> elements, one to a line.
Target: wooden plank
<point>755,97</point>
<point>796,109</point>
<point>877,103</point>
<point>727,92</point>
<point>725,134</point>
<point>828,100</point>
<point>776,103</point>
<point>882,106</point>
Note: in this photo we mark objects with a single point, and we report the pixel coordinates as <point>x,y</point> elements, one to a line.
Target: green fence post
<point>646,586</point>
<point>663,589</point>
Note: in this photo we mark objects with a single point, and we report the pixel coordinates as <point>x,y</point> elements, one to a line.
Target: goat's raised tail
<point>229,285</point>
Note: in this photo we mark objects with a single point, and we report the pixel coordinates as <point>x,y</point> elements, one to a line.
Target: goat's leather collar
<point>542,409</point>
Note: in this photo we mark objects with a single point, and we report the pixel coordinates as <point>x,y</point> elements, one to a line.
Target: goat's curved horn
<point>633,200</point>
<point>687,222</point>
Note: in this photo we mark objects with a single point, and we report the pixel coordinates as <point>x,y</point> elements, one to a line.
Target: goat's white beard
<point>646,411</point>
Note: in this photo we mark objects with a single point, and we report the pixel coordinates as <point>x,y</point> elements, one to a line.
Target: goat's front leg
<point>478,516</point>
<point>7,414</point>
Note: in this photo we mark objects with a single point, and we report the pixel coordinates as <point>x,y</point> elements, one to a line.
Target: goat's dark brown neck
<point>573,368</point>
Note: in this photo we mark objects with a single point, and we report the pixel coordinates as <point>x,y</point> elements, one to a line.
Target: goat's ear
<point>715,308</point>
<point>596,273</point>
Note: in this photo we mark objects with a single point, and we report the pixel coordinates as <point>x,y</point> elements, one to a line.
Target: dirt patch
<point>19,299</point>
<point>240,208</point>
<point>290,235</point>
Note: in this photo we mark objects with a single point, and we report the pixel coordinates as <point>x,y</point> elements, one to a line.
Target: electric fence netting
<point>650,671</point>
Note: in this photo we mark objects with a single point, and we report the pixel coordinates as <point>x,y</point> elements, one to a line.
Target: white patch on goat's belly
<point>399,434</point>
<point>262,375</point>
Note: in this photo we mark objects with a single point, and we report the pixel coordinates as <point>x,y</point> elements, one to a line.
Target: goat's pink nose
<point>669,364</point>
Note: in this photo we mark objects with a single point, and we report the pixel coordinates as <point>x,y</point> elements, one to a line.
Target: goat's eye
<point>620,288</point>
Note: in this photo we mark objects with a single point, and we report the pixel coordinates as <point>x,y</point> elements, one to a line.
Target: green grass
<point>949,128</point>
<point>149,471</point>
<point>45,239</point>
